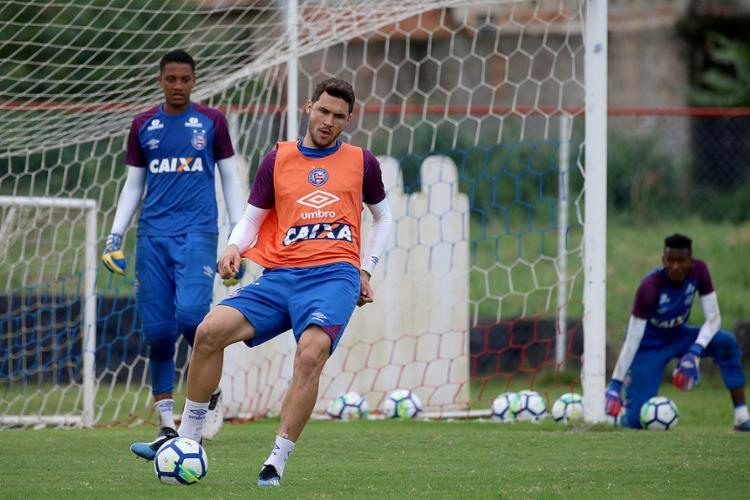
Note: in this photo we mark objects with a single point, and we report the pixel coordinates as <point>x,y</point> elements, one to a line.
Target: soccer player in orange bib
<point>305,209</point>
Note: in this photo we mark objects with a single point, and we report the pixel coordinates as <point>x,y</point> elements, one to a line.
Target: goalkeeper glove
<point>233,280</point>
<point>613,401</point>
<point>113,258</point>
<point>687,374</point>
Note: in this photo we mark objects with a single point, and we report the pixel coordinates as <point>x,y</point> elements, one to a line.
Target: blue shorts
<point>174,280</point>
<point>296,298</point>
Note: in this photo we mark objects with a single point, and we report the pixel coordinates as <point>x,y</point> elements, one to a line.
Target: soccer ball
<point>348,406</point>
<point>659,414</point>
<point>502,406</point>
<point>180,461</point>
<point>530,406</point>
<point>402,403</point>
<point>568,407</point>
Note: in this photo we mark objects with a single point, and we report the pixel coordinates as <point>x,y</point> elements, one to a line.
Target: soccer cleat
<point>214,417</point>
<point>743,427</point>
<point>268,476</point>
<point>148,450</point>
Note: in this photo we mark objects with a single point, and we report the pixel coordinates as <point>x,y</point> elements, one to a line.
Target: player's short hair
<point>678,241</point>
<point>337,88</point>
<point>176,56</point>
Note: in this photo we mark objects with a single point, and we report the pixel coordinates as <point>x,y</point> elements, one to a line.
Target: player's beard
<point>323,141</point>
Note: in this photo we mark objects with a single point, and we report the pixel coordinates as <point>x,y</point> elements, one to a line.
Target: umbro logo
<point>193,122</point>
<point>318,199</point>
<point>155,125</point>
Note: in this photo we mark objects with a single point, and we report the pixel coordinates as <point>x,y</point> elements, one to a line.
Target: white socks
<point>193,417</point>
<point>282,448</point>
<point>166,414</point>
<point>740,414</point>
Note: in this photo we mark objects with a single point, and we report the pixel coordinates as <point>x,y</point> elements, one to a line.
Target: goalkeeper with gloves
<point>174,152</point>
<point>658,332</point>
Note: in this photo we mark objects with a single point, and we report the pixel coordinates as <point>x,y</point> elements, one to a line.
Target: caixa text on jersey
<point>319,231</point>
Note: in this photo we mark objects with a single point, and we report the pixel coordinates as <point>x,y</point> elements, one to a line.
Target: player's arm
<point>231,266</point>
<point>135,183</point>
<point>231,186</point>
<point>382,225</point>
<point>687,373</point>
<point>245,232</point>
<point>711,325</point>
<point>633,337</point>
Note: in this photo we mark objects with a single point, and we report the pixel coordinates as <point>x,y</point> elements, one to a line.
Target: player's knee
<point>209,337</point>
<point>160,338</point>
<point>726,346</point>
<point>188,319</point>
<point>310,360</point>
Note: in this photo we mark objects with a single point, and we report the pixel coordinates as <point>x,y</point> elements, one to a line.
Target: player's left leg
<point>194,280</point>
<point>725,352</point>
<point>321,307</point>
<point>154,284</point>
<point>309,358</point>
<point>643,381</point>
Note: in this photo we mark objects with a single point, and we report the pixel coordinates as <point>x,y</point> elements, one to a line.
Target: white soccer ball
<point>181,461</point>
<point>348,406</point>
<point>530,406</point>
<point>502,406</point>
<point>659,414</point>
<point>402,403</point>
<point>568,407</point>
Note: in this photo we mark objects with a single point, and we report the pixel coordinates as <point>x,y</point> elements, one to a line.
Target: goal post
<point>480,112</point>
<point>595,225</point>
<point>83,414</point>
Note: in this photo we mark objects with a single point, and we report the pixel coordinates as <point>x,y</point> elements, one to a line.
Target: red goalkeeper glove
<point>613,400</point>
<point>687,373</point>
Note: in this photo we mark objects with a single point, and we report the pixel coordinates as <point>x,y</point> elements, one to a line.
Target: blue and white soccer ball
<point>402,403</point>
<point>502,407</point>
<point>659,414</point>
<point>348,406</point>
<point>530,407</point>
<point>567,408</point>
<point>181,461</point>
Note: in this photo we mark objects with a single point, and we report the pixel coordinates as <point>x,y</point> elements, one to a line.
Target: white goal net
<point>475,109</point>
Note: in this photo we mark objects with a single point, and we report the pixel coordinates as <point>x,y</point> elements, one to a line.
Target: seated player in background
<point>658,332</point>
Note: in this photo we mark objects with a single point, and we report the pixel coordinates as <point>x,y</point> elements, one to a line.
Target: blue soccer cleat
<point>268,476</point>
<point>743,427</point>
<point>148,450</point>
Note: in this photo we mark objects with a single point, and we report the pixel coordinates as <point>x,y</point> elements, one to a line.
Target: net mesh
<point>473,107</point>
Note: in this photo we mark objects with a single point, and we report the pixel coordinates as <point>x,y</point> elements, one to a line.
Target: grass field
<point>701,458</point>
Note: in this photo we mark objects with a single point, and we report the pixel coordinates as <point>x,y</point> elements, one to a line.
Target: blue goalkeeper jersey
<point>179,153</point>
<point>666,307</point>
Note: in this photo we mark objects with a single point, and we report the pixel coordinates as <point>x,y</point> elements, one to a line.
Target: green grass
<point>463,459</point>
<point>700,458</point>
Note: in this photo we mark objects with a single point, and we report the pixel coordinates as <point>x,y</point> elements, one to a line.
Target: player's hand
<point>613,400</point>
<point>233,280</point>
<point>687,373</point>
<point>365,289</point>
<point>113,257</point>
<point>231,266</point>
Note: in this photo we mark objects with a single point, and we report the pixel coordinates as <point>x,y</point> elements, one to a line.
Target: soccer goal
<point>488,117</point>
<point>48,328</point>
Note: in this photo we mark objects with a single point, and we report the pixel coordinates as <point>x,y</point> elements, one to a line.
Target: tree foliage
<point>728,83</point>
